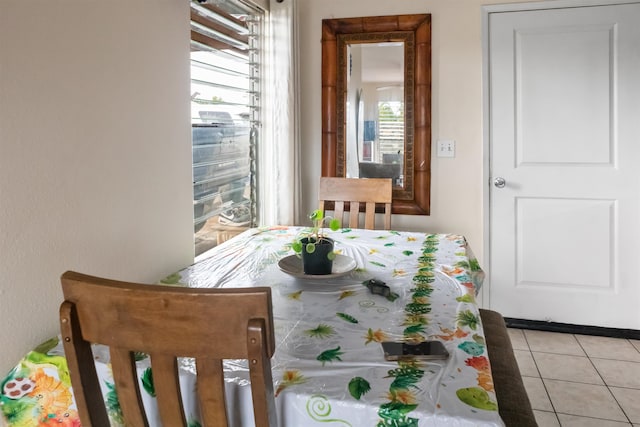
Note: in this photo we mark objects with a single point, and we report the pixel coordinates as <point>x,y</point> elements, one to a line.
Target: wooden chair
<point>166,322</point>
<point>355,191</point>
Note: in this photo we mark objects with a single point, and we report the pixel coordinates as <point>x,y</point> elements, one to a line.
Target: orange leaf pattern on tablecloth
<point>377,336</point>
<point>403,396</point>
<point>450,335</point>
<point>289,378</point>
<point>481,364</point>
<point>346,294</point>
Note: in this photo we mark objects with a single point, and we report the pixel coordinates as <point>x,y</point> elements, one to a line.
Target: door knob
<point>499,182</point>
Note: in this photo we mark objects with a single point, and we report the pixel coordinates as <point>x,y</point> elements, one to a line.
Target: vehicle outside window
<point>225,97</point>
<point>221,170</point>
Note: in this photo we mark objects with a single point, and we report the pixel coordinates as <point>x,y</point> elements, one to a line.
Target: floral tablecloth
<point>329,367</point>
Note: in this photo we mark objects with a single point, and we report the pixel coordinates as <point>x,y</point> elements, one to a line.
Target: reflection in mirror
<point>375,135</point>
<point>376,104</point>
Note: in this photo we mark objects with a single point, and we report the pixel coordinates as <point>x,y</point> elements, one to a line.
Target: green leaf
<point>402,422</point>
<point>113,405</point>
<point>479,339</point>
<point>46,346</point>
<point>316,215</point>
<point>147,382</point>
<point>334,224</point>
<point>463,264</point>
<point>17,411</point>
<point>477,398</point>
<point>414,329</point>
<point>407,372</point>
<point>415,308</point>
<point>330,355</point>
<point>407,253</point>
<point>320,331</point>
<point>395,410</point>
<point>403,382</point>
<point>347,317</point>
<point>422,291</point>
<point>172,279</point>
<point>358,386</point>
<point>467,318</point>
<point>465,298</point>
<point>423,279</point>
<point>310,248</point>
<point>138,356</point>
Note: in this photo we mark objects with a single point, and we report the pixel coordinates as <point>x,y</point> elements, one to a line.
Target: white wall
<point>456,191</point>
<point>95,152</point>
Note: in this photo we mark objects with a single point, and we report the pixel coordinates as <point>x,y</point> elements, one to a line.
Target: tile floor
<point>579,380</point>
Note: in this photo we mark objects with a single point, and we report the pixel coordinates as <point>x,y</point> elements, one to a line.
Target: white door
<point>564,128</point>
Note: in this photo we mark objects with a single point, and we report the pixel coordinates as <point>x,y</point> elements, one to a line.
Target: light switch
<point>446,148</point>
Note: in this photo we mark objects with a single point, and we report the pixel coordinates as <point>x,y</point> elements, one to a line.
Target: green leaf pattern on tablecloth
<point>330,355</point>
<point>358,386</point>
<point>402,399</point>
<point>147,382</point>
<point>321,331</point>
<point>113,405</point>
<point>347,317</point>
<point>467,318</point>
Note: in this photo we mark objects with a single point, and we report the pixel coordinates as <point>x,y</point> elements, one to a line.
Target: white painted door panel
<point>565,136</point>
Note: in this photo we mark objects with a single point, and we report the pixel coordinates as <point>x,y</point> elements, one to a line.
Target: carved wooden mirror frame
<point>415,31</point>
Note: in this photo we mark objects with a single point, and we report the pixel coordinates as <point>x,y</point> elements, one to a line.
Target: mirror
<point>376,104</point>
<point>374,136</point>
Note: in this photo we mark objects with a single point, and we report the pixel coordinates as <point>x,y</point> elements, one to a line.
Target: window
<point>391,131</point>
<point>225,106</point>
<point>391,135</point>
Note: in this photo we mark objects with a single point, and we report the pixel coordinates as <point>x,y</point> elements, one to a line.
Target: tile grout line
<point>586,354</point>
<point>524,335</point>
<point>602,378</point>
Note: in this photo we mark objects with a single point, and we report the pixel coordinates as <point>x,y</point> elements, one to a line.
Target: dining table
<point>329,367</point>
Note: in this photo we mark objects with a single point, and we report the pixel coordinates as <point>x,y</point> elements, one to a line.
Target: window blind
<point>391,126</point>
<point>225,103</point>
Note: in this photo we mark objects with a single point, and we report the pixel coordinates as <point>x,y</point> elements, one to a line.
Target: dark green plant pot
<point>317,262</point>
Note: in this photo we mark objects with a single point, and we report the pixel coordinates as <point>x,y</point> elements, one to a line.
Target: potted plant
<point>314,247</point>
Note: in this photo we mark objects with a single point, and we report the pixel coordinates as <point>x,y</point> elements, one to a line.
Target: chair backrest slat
<point>125,379</point>
<point>166,323</point>
<point>211,391</point>
<point>357,191</point>
<point>166,384</point>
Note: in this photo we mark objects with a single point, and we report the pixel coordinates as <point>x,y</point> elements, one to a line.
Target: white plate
<point>293,265</point>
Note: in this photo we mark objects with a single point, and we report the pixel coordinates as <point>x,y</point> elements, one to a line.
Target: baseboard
<point>567,328</point>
